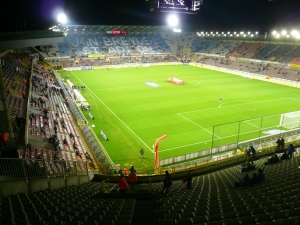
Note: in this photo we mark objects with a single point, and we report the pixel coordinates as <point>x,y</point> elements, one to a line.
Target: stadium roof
<point>105,28</point>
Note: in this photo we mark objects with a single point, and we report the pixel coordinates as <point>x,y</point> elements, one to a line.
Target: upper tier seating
<point>85,44</point>
<point>224,47</point>
<point>203,45</point>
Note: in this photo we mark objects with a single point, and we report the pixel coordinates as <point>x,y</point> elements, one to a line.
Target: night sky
<point>215,15</point>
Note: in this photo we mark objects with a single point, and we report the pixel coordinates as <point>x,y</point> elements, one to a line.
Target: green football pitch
<point>135,106</point>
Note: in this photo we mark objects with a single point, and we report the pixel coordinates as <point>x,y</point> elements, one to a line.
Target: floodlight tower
<point>173,20</point>
<point>61,18</point>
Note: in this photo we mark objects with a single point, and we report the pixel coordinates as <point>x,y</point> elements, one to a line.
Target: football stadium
<point>121,125</point>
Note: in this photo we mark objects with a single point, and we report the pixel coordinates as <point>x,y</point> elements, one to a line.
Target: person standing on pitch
<point>142,153</point>
<point>221,98</point>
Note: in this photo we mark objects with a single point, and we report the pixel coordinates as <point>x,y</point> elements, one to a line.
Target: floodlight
<point>274,32</point>
<point>283,32</point>
<point>173,20</point>
<point>62,18</point>
<point>256,32</point>
<point>277,35</point>
<point>294,33</point>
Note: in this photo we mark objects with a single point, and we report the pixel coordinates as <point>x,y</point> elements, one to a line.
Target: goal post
<point>290,120</point>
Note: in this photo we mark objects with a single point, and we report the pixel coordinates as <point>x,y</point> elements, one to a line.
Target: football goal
<point>290,120</point>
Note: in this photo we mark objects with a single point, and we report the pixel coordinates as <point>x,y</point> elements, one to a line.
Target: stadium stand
<point>225,47</point>
<point>203,45</point>
<point>53,152</point>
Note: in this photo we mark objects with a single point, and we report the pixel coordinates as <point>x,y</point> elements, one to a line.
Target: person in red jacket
<point>4,138</point>
<point>132,179</point>
<point>123,184</point>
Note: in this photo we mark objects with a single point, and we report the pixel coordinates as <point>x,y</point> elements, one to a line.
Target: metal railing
<point>11,169</point>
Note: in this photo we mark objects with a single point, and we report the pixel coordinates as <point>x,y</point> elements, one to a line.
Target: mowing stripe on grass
<point>248,103</point>
<point>112,112</point>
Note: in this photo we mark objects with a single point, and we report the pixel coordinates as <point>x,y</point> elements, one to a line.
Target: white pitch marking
<point>197,125</point>
<point>117,117</point>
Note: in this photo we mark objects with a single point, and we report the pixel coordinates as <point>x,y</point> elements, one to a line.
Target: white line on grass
<point>248,103</point>
<point>109,109</point>
<point>208,141</point>
<point>251,124</point>
<point>197,125</point>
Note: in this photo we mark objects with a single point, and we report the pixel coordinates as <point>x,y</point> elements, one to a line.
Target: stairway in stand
<point>144,213</point>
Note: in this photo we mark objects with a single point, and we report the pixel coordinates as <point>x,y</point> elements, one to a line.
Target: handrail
<point>12,169</point>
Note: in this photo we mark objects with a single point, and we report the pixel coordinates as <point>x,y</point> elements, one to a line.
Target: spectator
<point>65,142</point>
<point>132,179</point>
<point>291,150</point>
<point>243,181</point>
<point>250,166</point>
<point>75,146</point>
<point>244,167</point>
<point>125,171</point>
<point>87,155</point>
<point>281,144</point>
<point>254,179</point>
<point>4,138</point>
<point>284,156</point>
<point>43,130</point>
<point>132,169</point>
<point>273,159</point>
<point>78,153</point>
<point>167,182</point>
<point>142,153</point>
<point>261,175</point>
<point>189,180</point>
<point>55,129</point>
<point>278,145</point>
<point>123,184</point>
<point>252,152</point>
<point>72,135</point>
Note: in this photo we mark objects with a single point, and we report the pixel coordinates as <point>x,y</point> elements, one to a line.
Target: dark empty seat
<point>200,219</point>
<point>263,218</point>
<point>232,222</point>
<point>183,221</point>
<point>166,222</point>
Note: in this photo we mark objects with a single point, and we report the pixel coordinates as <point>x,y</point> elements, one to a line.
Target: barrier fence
<point>39,168</point>
<point>261,143</point>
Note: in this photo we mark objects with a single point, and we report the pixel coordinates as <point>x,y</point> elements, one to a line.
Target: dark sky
<point>215,15</point>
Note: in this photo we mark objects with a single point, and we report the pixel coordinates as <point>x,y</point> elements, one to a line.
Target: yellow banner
<point>102,56</point>
<point>295,65</point>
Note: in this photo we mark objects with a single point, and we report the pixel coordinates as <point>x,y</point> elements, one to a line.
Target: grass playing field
<point>133,114</point>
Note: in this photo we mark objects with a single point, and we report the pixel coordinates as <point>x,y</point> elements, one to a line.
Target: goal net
<point>290,120</point>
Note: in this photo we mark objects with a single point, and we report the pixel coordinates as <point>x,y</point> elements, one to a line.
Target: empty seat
<point>166,222</point>
<point>248,220</point>
<point>215,217</point>
<point>183,221</point>
<point>232,222</point>
<point>263,218</point>
<point>200,219</point>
